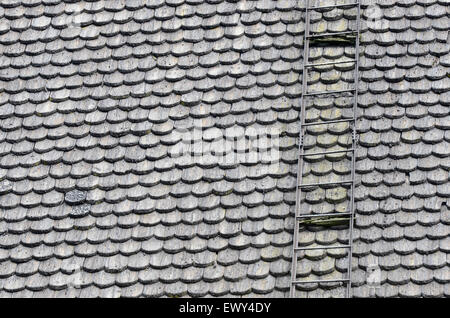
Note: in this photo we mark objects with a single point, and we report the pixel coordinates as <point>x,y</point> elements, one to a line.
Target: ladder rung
<point>326,153</point>
<point>324,183</point>
<point>309,216</point>
<point>318,281</point>
<point>337,6</point>
<point>329,122</point>
<point>297,249</point>
<point>323,35</point>
<point>330,63</point>
<point>331,92</point>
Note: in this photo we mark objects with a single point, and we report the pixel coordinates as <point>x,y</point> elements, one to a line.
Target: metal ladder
<point>303,125</point>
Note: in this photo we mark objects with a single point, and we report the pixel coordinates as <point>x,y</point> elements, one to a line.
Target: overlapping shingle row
<point>134,140</point>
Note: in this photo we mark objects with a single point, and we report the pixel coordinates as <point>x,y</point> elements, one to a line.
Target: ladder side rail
<point>300,158</point>
<point>354,143</point>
